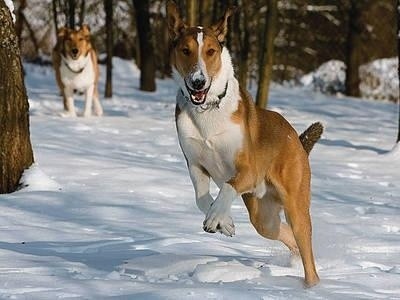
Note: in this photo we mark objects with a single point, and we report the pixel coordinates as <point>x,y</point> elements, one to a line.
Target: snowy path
<point>109,211</point>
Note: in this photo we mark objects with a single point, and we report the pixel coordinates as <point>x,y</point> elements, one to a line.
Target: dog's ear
<point>175,23</point>
<point>62,32</point>
<point>85,30</point>
<point>220,29</point>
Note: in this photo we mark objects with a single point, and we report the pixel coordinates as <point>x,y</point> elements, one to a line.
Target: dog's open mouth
<point>198,97</point>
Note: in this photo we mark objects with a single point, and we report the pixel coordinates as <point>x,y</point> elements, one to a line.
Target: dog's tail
<point>311,135</point>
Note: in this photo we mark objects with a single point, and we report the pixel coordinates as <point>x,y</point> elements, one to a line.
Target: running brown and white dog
<point>76,69</point>
<point>247,151</point>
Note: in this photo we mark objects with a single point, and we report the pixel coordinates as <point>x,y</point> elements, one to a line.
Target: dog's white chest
<point>211,139</point>
<point>74,79</point>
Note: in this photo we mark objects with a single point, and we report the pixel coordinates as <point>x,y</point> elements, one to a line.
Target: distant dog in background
<point>76,69</point>
<point>247,151</point>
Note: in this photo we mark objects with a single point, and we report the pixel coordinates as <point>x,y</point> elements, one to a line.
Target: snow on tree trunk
<point>10,6</point>
<point>15,146</point>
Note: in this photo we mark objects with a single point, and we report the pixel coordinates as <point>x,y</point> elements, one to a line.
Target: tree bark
<point>398,69</point>
<point>267,55</point>
<point>147,66</point>
<point>15,147</point>
<point>191,12</point>
<point>82,12</point>
<point>108,7</point>
<point>243,34</point>
<point>55,15</point>
<point>204,13</point>
<point>353,48</point>
<point>71,13</point>
<point>19,23</point>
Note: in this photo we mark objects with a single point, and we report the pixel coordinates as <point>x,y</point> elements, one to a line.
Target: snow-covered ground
<point>109,209</point>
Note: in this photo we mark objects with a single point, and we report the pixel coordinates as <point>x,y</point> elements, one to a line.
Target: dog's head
<point>75,42</point>
<point>196,52</point>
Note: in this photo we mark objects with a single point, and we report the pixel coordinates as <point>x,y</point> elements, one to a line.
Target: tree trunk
<point>353,52</point>
<point>55,15</point>
<point>147,66</point>
<point>71,13</point>
<point>19,23</point>
<point>15,146</point>
<point>82,13</point>
<point>267,55</point>
<point>108,7</point>
<point>191,12</point>
<point>243,34</point>
<point>204,13</point>
<point>398,70</point>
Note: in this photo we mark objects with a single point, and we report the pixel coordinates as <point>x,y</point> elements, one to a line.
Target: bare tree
<point>108,7</point>
<point>242,34</point>
<point>82,12</point>
<point>191,12</point>
<point>147,65</point>
<point>398,70</point>
<point>267,54</point>
<point>204,12</point>
<point>19,23</point>
<point>55,14</point>
<point>15,147</point>
<point>21,20</point>
<point>353,51</point>
<point>71,13</point>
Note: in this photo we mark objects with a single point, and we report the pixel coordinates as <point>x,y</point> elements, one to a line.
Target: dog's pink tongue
<point>199,95</point>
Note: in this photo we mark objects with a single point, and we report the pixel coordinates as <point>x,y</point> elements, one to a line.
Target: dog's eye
<point>210,52</point>
<point>81,39</point>
<point>186,51</point>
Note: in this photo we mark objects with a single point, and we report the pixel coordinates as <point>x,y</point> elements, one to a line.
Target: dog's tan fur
<point>270,156</point>
<point>68,39</point>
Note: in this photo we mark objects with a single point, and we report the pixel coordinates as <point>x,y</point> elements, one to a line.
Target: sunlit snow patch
<point>34,179</point>
<point>225,272</point>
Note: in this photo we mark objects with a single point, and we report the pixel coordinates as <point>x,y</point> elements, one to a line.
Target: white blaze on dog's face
<point>76,42</point>
<point>195,53</point>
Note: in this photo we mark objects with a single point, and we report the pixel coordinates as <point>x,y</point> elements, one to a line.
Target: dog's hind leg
<point>297,210</point>
<point>98,109</point>
<point>264,216</point>
<point>88,101</point>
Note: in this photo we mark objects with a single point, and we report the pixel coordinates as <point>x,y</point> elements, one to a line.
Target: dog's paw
<point>98,112</point>
<point>218,219</point>
<point>87,114</point>
<point>68,114</point>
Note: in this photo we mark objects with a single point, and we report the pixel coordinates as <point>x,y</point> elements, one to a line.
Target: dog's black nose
<point>74,51</point>
<point>198,83</point>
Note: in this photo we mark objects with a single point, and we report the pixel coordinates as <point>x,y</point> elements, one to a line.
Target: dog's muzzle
<point>197,96</point>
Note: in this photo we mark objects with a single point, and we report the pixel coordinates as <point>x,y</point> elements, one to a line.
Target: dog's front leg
<point>69,101</point>
<point>201,183</point>
<point>219,218</point>
<point>88,101</point>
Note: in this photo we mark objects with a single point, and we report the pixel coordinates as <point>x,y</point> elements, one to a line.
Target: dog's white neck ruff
<point>76,66</point>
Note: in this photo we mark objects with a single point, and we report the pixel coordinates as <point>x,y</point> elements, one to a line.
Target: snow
<point>10,6</point>
<point>378,79</point>
<point>34,179</point>
<point>329,78</point>
<point>108,210</point>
